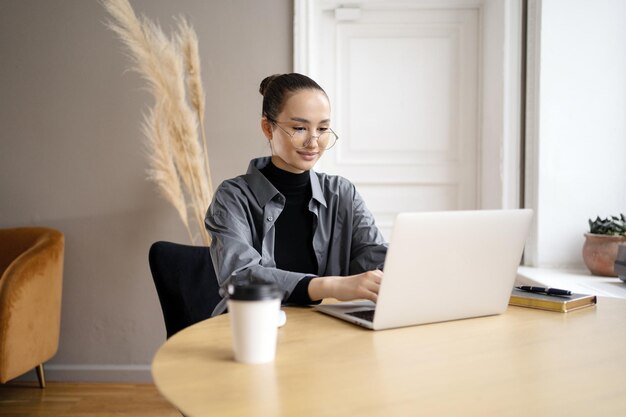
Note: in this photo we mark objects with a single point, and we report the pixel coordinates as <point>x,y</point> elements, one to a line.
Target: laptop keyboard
<point>367,315</point>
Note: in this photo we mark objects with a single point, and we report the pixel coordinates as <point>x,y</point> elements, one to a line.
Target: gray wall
<point>72,157</point>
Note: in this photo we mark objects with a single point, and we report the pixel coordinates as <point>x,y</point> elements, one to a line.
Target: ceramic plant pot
<point>599,253</point>
<point>620,262</point>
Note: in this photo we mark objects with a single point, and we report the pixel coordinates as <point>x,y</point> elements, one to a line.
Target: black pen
<point>549,291</point>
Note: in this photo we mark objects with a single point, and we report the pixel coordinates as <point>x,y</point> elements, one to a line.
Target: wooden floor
<point>85,400</point>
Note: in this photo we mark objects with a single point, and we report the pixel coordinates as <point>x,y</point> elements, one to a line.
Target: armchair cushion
<point>31,270</point>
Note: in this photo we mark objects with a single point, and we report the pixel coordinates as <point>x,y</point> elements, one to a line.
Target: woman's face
<point>305,109</point>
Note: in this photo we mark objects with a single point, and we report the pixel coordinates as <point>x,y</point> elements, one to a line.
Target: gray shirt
<point>241,221</point>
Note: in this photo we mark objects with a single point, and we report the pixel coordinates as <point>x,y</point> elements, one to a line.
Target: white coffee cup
<point>254,310</point>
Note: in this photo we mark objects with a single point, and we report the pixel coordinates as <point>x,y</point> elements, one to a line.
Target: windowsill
<point>576,280</point>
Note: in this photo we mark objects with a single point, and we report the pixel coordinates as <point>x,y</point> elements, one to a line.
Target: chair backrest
<point>185,282</point>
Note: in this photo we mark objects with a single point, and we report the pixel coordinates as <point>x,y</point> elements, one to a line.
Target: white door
<point>404,79</point>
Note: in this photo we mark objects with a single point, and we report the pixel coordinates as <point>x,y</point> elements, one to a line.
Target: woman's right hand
<point>352,287</point>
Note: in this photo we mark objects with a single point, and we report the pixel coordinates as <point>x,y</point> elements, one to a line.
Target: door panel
<point>403,83</point>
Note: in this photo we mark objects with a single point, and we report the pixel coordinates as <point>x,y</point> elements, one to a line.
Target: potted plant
<point>601,244</point>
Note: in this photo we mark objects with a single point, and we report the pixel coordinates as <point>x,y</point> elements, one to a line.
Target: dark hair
<point>275,88</point>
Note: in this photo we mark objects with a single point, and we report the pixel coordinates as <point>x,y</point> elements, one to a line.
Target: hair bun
<point>266,82</point>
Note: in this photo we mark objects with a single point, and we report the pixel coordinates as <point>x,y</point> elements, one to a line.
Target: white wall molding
<point>512,151</point>
<point>533,71</point>
<point>301,36</point>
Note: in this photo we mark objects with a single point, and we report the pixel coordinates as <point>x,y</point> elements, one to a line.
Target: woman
<point>310,233</point>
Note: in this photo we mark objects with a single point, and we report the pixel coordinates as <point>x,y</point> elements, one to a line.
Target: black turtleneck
<point>293,247</point>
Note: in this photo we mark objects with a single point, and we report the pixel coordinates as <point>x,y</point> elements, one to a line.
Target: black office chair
<point>185,282</point>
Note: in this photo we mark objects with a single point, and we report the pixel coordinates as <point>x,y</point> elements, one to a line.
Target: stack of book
<point>562,303</point>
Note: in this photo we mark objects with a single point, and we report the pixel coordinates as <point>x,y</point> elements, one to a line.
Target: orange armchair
<point>31,274</point>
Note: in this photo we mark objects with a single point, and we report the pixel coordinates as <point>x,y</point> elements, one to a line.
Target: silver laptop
<point>444,266</point>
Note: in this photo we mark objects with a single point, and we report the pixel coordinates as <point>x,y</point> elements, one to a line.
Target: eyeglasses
<point>301,137</point>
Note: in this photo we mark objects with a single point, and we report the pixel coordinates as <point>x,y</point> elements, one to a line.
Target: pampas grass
<point>162,169</point>
<point>188,42</point>
<point>179,164</point>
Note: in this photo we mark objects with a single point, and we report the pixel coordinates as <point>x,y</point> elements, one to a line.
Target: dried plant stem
<point>176,158</point>
<point>196,195</point>
<point>163,171</point>
<point>206,156</point>
<point>188,41</point>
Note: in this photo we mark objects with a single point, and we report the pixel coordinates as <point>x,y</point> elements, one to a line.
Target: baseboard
<point>139,374</point>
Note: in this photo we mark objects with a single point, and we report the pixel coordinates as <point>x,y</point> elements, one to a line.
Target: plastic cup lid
<point>254,291</point>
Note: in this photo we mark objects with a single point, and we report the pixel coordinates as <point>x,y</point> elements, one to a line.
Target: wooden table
<point>523,363</point>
